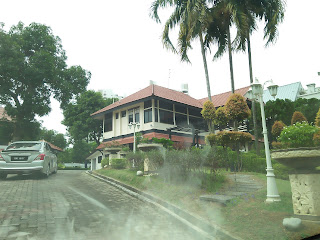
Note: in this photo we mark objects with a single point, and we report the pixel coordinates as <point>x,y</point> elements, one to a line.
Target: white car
<point>25,157</point>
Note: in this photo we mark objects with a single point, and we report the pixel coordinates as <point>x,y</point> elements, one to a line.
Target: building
<point>108,93</point>
<point>161,112</point>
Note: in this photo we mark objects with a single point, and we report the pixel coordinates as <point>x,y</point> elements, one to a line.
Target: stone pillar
<point>306,195</point>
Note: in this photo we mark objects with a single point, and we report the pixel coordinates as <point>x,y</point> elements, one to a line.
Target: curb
<point>208,231</point>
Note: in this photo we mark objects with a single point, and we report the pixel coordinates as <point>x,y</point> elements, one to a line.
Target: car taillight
<point>1,158</point>
<point>40,157</point>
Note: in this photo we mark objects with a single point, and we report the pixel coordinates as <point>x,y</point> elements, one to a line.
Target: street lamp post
<point>134,125</point>
<point>257,92</point>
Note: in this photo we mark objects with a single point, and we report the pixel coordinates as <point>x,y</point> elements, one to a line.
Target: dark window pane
<point>166,117</point>
<point>123,113</point>
<point>198,123</point>
<point>181,120</point>
<point>137,117</point>
<point>195,112</point>
<point>156,114</point>
<point>180,108</point>
<point>108,122</point>
<point>166,105</point>
<point>147,115</point>
<point>99,159</point>
<point>147,104</point>
<point>117,115</point>
<point>130,117</point>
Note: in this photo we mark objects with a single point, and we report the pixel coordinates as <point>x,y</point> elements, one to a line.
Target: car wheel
<point>47,173</point>
<point>55,170</point>
<point>3,175</point>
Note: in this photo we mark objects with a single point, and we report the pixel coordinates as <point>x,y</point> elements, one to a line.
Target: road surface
<point>74,205</point>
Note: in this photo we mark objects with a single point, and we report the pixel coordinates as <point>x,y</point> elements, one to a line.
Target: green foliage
<point>229,138</point>
<point>280,170</point>
<point>78,153</point>
<point>308,107</point>
<point>237,108</point>
<point>167,143</point>
<point>81,126</point>
<point>118,163</point>
<point>316,138</point>
<point>277,128</point>
<point>138,158</point>
<point>317,119</point>
<point>251,162</point>
<point>6,132</point>
<point>298,135</point>
<point>104,162</point>
<point>33,68</point>
<point>53,137</point>
<point>298,117</point>
<point>280,110</point>
<point>221,116</point>
<point>209,114</point>
<point>156,157</point>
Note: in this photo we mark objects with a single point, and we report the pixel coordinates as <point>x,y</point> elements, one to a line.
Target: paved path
<point>73,205</point>
<point>240,184</point>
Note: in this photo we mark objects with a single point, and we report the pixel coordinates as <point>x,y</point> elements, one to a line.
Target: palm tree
<point>192,18</point>
<point>272,12</point>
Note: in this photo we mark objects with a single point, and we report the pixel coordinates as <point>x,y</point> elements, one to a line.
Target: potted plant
<point>299,149</point>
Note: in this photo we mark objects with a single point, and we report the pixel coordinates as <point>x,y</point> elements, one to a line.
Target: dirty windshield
<point>159,119</point>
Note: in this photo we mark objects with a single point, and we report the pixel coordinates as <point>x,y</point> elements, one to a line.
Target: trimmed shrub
<point>104,162</point>
<point>298,117</point>
<point>118,163</point>
<point>221,116</point>
<point>251,162</point>
<point>228,138</point>
<point>298,135</point>
<point>237,108</point>
<point>280,171</point>
<point>277,128</point>
<point>316,138</point>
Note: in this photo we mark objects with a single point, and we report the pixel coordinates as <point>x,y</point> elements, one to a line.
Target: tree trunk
<point>254,110</point>
<point>205,66</point>
<point>230,60</point>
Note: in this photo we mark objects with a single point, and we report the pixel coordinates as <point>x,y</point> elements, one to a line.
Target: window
<point>180,108</point>
<point>108,122</point>
<point>165,105</point>
<point>195,112</point>
<point>181,120</point>
<point>147,115</point>
<point>123,113</point>
<point>99,159</point>
<point>117,115</point>
<point>137,117</point>
<point>198,123</point>
<point>166,117</point>
<point>130,116</point>
<point>156,115</point>
<point>135,113</point>
<point>147,104</point>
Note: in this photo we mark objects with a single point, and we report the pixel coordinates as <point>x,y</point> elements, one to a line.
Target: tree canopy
<point>81,126</point>
<point>32,69</point>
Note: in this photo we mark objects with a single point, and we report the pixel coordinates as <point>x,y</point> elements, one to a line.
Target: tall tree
<point>192,19</point>
<point>53,137</point>
<point>32,69</point>
<point>77,117</point>
<point>272,12</point>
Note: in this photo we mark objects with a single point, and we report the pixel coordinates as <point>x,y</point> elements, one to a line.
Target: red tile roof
<point>173,95</point>
<point>221,99</point>
<point>4,115</point>
<point>154,90</point>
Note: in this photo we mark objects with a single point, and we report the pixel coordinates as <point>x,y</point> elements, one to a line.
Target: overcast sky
<point>121,46</point>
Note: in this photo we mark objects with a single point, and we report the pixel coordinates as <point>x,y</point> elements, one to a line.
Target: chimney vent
<point>185,88</point>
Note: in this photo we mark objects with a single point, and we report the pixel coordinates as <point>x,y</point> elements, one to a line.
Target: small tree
<point>209,114</point>
<point>237,109</point>
<point>221,116</point>
<point>298,117</point>
<point>277,128</point>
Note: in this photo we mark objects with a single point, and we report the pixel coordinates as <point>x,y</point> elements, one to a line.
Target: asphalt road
<point>74,205</point>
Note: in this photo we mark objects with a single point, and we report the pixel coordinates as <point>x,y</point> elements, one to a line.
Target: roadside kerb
<point>209,231</point>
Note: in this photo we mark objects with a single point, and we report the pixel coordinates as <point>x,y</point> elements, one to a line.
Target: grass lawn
<point>248,216</point>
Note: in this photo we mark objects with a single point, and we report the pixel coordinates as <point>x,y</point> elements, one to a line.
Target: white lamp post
<point>134,125</point>
<point>257,92</point>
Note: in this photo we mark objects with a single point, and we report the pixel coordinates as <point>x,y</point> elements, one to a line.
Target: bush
<point>104,162</point>
<point>228,138</point>
<point>298,135</point>
<point>118,163</point>
<point>298,117</point>
<point>138,158</point>
<point>156,158</point>
<point>280,170</point>
<point>251,162</point>
<point>277,128</point>
<point>61,166</point>
<point>317,120</point>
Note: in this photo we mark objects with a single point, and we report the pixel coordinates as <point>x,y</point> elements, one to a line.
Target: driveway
<point>74,205</point>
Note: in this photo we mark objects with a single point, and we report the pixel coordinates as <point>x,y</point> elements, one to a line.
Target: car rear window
<point>24,146</point>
